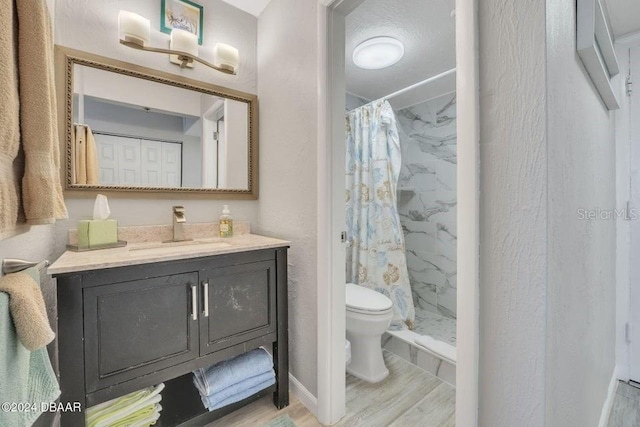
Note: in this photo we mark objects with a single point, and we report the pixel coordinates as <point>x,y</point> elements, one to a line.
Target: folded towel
<point>113,418</point>
<point>149,421</point>
<point>214,399</point>
<point>109,413</point>
<point>27,308</point>
<point>139,417</point>
<point>25,376</point>
<point>243,394</point>
<point>439,348</point>
<point>226,373</point>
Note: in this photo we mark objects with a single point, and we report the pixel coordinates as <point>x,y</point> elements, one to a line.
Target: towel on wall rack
<point>26,376</point>
<point>27,308</point>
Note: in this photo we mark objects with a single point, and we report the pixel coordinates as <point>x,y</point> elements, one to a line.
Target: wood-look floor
<point>625,411</point>
<point>408,397</point>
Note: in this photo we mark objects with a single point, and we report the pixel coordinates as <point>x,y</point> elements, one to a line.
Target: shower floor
<point>435,325</point>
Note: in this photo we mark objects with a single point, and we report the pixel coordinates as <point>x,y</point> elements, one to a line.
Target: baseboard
<point>606,408</point>
<point>303,395</point>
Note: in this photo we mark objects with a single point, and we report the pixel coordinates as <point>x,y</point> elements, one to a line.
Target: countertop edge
<point>105,264</point>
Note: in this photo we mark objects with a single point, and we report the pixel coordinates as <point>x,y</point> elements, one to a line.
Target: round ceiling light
<point>378,52</point>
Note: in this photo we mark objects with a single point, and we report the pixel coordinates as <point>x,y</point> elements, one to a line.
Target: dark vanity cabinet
<point>125,328</point>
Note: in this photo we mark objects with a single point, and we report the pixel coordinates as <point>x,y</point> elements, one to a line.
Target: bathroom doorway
<point>452,83</point>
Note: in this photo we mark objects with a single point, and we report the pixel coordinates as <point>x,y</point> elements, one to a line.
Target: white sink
<point>199,244</point>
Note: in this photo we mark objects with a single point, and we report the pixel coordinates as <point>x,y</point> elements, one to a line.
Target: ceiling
<point>624,16</point>
<point>254,7</point>
<point>427,30</point>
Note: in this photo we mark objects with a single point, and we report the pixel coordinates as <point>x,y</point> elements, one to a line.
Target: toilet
<point>369,314</point>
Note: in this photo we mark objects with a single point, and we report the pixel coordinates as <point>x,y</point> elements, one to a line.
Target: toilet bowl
<point>369,314</point>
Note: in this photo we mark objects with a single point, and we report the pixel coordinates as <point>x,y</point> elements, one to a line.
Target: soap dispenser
<point>226,222</point>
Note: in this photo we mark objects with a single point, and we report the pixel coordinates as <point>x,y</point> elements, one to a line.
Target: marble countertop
<point>150,252</point>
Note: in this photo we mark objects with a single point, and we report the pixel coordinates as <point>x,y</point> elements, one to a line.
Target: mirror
<point>129,128</point>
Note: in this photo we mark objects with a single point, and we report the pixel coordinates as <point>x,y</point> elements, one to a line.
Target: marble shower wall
<point>427,201</point>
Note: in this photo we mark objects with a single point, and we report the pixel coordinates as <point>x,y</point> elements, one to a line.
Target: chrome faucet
<point>179,220</point>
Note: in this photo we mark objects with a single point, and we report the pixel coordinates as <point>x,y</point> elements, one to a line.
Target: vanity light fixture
<point>134,30</point>
<point>378,52</point>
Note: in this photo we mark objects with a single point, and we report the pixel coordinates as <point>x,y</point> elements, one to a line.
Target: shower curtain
<point>376,258</point>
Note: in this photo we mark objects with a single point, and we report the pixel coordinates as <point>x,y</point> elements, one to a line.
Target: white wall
<point>134,91</point>
<point>287,89</point>
<point>547,278</point>
<point>236,136</point>
<point>93,27</point>
<point>581,253</point>
<point>513,205</point>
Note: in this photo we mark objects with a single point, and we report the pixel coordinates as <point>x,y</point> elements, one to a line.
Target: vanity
<point>152,312</point>
<point>136,316</point>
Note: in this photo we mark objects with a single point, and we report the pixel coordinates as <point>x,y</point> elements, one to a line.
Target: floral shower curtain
<point>376,258</point>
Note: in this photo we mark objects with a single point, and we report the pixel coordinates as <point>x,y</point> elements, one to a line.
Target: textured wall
<point>513,206</point>
<point>581,257</point>
<point>547,278</point>
<point>427,205</point>
<point>287,88</point>
<point>92,26</point>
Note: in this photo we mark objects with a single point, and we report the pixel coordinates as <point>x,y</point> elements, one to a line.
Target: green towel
<point>118,420</point>
<point>25,376</point>
<point>134,405</point>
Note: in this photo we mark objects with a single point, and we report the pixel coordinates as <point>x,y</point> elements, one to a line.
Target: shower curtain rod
<point>413,86</point>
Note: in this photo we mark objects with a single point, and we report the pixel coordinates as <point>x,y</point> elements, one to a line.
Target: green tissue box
<point>97,232</point>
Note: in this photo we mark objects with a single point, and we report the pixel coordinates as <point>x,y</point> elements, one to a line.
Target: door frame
<point>331,251</point>
<point>625,274</point>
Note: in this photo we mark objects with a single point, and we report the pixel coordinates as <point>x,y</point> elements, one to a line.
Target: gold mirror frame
<point>66,58</point>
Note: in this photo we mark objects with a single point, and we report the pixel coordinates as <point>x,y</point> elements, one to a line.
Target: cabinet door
<point>242,304</point>
<point>138,327</point>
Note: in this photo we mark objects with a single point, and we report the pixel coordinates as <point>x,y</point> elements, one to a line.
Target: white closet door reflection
<point>132,161</point>
<point>129,161</point>
<point>151,163</point>
<point>107,149</point>
<point>171,164</point>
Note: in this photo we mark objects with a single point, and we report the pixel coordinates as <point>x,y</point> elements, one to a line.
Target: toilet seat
<point>363,300</point>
